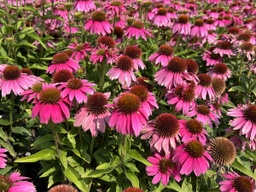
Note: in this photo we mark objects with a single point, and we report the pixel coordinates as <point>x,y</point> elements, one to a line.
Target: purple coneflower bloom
<point>162,56</point>
<point>84,5</point>
<point>137,30</point>
<point>182,26</point>
<point>199,30</point>
<point>3,158</point>
<point>135,53</point>
<point>80,51</point>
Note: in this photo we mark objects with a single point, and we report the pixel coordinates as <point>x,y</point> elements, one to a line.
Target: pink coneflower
<point>211,58</point>
<point>192,130</point>
<point>209,24</point>
<point>128,117</point>
<point>162,169</point>
<point>135,53</point>
<point>61,11</point>
<point>80,51</point>
<point>84,5</point>
<point>115,8</point>
<point>62,61</point>
<point>13,80</point>
<point>102,52</point>
<point>173,74</point>
<point>164,133</point>
<point>76,89</point>
<point>182,26</point>
<point>221,71</point>
<point>245,120</point>
<point>199,30</point>
<point>63,188</point>
<point>95,114</point>
<point>247,48</point>
<point>183,97</point>
<point>192,157</point>
<point>51,106</point>
<point>204,88</point>
<point>162,56</point>
<point>192,65</point>
<point>16,183</point>
<point>123,71</point>
<point>119,33</point>
<point>2,158</point>
<point>147,99</point>
<point>161,18</point>
<point>236,183</point>
<point>204,115</point>
<point>32,94</point>
<point>210,38</point>
<point>98,24</point>
<point>223,48</point>
<point>220,22</point>
<point>137,30</point>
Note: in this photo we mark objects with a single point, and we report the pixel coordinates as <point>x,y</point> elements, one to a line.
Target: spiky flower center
<point>177,65</point>
<point>137,24</point>
<point>162,11</point>
<point>166,125</point>
<point>27,71</point>
<point>250,113</point>
<point>142,81</point>
<point>60,58</point>
<point>244,37</point>
<point>205,80</point>
<point>5,183</point>
<point>220,68</point>
<point>165,164</point>
<point>125,63</point>
<point>243,184</point>
<point>74,83</point>
<point>107,41</point>
<point>214,56</point>
<point>101,52</point>
<point>203,109</point>
<point>183,19</point>
<point>133,51</point>
<point>79,47</point>
<point>133,189</point>
<point>165,50</point>
<point>247,46</point>
<point>118,31</point>
<point>96,103</point>
<point>218,85</point>
<point>98,16</point>
<point>11,73</point>
<point>209,21</point>
<point>233,30</point>
<point>189,94</point>
<point>195,149</point>
<point>128,103</point>
<point>140,91</point>
<point>63,188</point>
<point>222,151</point>
<point>192,66</point>
<point>62,75</point>
<point>224,45</point>
<point>194,126</point>
<point>69,52</point>
<point>116,3</point>
<point>50,95</point>
<point>199,22</point>
<point>171,10</point>
<point>37,87</point>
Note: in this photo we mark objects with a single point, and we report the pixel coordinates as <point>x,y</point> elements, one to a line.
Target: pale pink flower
<point>84,5</point>
<point>162,56</point>
<point>3,158</point>
<point>137,30</point>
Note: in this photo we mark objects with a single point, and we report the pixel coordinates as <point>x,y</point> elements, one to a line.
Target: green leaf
<point>71,136</point>
<point>25,43</point>
<point>133,178</point>
<point>36,37</point>
<point>39,142</point>
<point>4,122</point>
<point>48,172</point>
<point>21,130</point>
<point>135,155</point>
<point>8,146</point>
<point>243,169</point>
<point>63,158</point>
<point>45,154</point>
<point>237,88</point>
<point>108,178</point>
<point>37,66</point>
<point>132,167</point>
<point>174,185</point>
<point>3,134</point>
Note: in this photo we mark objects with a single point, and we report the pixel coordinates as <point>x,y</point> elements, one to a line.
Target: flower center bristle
<point>165,50</point>
<point>118,31</point>
<point>189,94</point>
<point>11,72</point>
<point>183,19</point>
<point>37,87</point>
<point>142,81</point>
<point>195,149</point>
<point>100,52</point>
<point>179,90</point>
<point>192,66</point>
<point>5,183</point>
<point>62,75</point>
<point>250,113</point>
<point>60,58</point>
<point>133,51</point>
<point>226,17</point>
<point>162,11</point>
<point>140,91</point>
<point>199,22</point>
<point>50,95</point>
<point>116,3</point>
<point>222,151</point>
<point>214,56</point>
<point>218,85</point>
<point>125,63</point>
<point>194,126</point>
<point>128,103</point>
<point>203,109</point>
<point>247,46</point>
<point>98,16</point>
<point>74,83</point>
<point>171,10</point>
<point>244,37</point>
<point>106,40</point>
<point>79,47</point>
<point>96,103</point>
<point>220,68</point>
<point>27,71</point>
<point>205,80</point>
<point>243,184</point>
<point>166,125</point>
<point>164,164</point>
<point>224,45</point>
<point>177,65</point>
<point>137,24</point>
<point>133,189</point>
<point>159,5</point>
<point>209,21</point>
<point>63,188</point>
<point>68,52</point>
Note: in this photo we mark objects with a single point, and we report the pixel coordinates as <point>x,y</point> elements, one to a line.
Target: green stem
<point>56,139</point>
<point>7,12</point>
<point>240,69</point>
<point>102,69</point>
<point>12,108</point>
<point>91,146</point>
<point>80,136</point>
